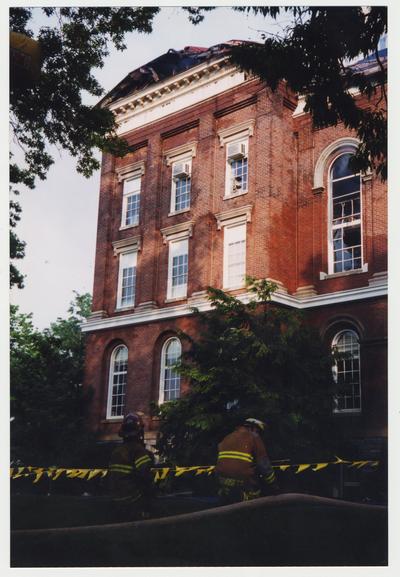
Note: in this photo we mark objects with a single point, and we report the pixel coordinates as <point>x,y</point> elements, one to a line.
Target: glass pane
<point>340,167</point>
<point>346,186</point>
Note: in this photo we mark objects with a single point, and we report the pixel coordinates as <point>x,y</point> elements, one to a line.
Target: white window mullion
<point>234,271</point>
<point>117,382</point>
<point>131,202</point>
<point>178,267</point>
<point>126,279</point>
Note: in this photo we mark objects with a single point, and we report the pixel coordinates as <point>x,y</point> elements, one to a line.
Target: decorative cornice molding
<point>134,169</point>
<point>185,309</point>
<point>241,214</point>
<point>173,84</point>
<point>127,244</point>
<point>177,231</point>
<point>183,151</point>
<point>237,131</point>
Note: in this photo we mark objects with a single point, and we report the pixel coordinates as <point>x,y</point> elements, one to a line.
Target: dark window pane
<point>341,167</point>
<point>338,267</point>
<point>346,186</point>
<point>352,236</point>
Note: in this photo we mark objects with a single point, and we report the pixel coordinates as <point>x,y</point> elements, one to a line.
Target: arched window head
<point>346,371</point>
<point>170,379</point>
<point>345,238</point>
<point>117,382</point>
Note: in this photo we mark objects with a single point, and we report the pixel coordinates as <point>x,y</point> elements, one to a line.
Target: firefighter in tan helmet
<point>130,478</point>
<point>243,468</point>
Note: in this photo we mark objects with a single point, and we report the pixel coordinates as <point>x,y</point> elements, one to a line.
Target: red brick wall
<point>286,238</point>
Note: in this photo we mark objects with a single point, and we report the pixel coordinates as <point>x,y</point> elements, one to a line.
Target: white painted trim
<point>341,145</point>
<point>340,152</point>
<point>239,215</point>
<point>148,316</point>
<point>130,244</point>
<point>236,132</point>
<point>177,231</point>
<point>181,158</point>
<point>179,92</point>
<point>110,383</point>
<point>162,368</point>
<point>180,153</point>
<point>130,170</point>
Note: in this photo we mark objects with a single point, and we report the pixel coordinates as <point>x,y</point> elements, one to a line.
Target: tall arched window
<point>117,382</point>
<point>346,371</point>
<point>170,379</point>
<point>345,217</point>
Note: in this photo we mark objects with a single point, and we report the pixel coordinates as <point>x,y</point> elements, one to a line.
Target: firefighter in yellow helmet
<point>243,468</point>
<point>130,478</point>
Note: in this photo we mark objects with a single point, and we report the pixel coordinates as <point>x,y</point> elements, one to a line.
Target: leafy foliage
<point>254,359</point>
<point>51,110</point>
<point>313,54</point>
<point>48,405</point>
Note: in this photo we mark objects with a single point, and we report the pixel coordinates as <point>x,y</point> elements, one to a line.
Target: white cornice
<point>203,304</point>
<point>176,93</point>
<point>157,92</point>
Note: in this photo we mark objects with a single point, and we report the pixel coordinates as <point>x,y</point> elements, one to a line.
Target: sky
<point>59,217</point>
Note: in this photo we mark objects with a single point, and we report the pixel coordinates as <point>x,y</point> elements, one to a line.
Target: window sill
<point>347,412</point>
<point>233,288</point>
<point>127,226</point>
<point>175,299</point>
<point>127,308</point>
<point>229,196</point>
<point>112,420</point>
<point>179,211</point>
<point>327,276</point>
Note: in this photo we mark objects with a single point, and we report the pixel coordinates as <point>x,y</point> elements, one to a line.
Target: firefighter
<point>130,477</point>
<point>243,468</point>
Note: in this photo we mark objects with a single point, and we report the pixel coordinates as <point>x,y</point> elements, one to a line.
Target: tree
<point>50,110</point>
<point>256,359</point>
<point>48,405</point>
<point>313,55</point>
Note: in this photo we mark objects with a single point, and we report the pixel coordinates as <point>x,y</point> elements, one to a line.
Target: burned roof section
<point>169,64</point>
<point>174,62</point>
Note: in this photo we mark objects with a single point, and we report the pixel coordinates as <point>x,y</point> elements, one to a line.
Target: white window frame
<point>240,229</point>
<point>343,226</point>
<point>163,366</point>
<point>177,247</point>
<point>111,374</point>
<point>335,340</point>
<point>132,254</point>
<point>229,192</point>
<point>126,195</point>
<point>174,183</point>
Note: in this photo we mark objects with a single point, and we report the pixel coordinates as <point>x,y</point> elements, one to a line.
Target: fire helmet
<point>132,425</point>
<point>255,423</point>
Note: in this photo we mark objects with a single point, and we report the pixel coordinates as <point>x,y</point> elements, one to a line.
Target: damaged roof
<point>169,64</point>
<point>174,62</point>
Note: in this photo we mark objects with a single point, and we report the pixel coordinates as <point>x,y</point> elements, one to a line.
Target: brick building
<point>224,179</point>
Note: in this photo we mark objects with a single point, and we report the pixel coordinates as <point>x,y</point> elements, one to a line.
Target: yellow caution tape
<point>161,473</point>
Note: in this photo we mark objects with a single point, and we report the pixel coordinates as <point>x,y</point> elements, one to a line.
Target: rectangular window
<point>234,256</point>
<point>181,185</point>
<point>127,279</point>
<point>131,201</point>
<point>178,268</point>
<point>237,168</point>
